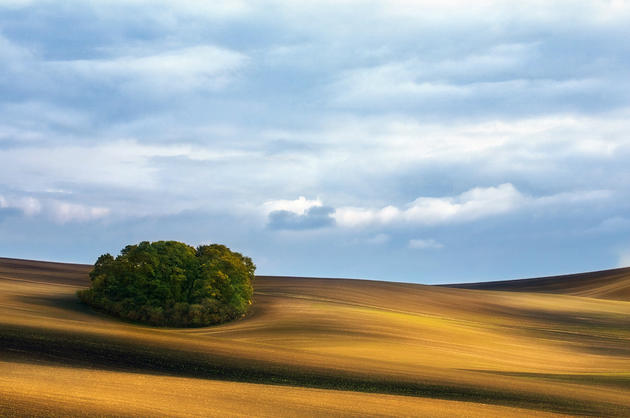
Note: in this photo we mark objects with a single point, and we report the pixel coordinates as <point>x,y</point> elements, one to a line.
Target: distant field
<point>322,347</point>
<point>605,284</point>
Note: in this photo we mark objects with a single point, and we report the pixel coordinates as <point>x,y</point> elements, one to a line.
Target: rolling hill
<point>605,284</point>
<point>322,347</point>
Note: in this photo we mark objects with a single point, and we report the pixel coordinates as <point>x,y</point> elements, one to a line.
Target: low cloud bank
<point>471,205</point>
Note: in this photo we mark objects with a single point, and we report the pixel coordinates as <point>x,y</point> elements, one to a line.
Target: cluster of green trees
<point>169,283</point>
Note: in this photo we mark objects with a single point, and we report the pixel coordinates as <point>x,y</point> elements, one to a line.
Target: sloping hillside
<point>319,346</point>
<point>45,271</point>
<point>605,284</point>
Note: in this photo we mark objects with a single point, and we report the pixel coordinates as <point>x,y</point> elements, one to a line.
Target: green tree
<point>171,283</point>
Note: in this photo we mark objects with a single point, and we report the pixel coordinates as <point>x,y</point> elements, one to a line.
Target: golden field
<point>323,347</point>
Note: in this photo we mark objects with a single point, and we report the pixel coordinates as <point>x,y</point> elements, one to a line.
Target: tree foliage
<point>170,283</point>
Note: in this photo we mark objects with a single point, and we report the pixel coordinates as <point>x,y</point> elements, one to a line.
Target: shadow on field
<point>64,306</point>
<point>596,333</point>
<point>612,380</point>
<point>31,344</point>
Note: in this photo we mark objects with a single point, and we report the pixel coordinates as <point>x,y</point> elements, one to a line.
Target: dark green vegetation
<point>169,283</point>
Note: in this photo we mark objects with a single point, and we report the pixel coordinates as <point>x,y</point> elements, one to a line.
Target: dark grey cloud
<point>313,218</point>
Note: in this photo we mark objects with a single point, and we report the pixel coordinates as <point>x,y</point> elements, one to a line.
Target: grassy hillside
<point>316,346</point>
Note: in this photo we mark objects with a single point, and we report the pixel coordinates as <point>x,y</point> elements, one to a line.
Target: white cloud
<point>57,210</point>
<point>121,163</point>
<point>539,146</point>
<point>473,204</point>
<point>532,11</point>
<point>476,203</point>
<point>63,212</point>
<point>422,244</point>
<point>572,197</point>
<point>494,77</point>
<point>28,205</point>
<point>431,78</point>
<point>204,66</point>
<point>353,216</point>
<point>388,83</point>
<point>298,206</point>
<point>166,12</point>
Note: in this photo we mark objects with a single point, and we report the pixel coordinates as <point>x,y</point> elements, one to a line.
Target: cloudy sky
<point>416,141</point>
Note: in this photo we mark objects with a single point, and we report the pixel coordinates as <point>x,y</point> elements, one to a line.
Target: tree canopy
<point>169,283</point>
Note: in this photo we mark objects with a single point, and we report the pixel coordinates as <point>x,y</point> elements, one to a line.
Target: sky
<point>415,141</point>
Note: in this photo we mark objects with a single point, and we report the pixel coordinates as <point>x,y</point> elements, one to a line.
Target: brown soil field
<point>320,347</point>
<point>605,284</point>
